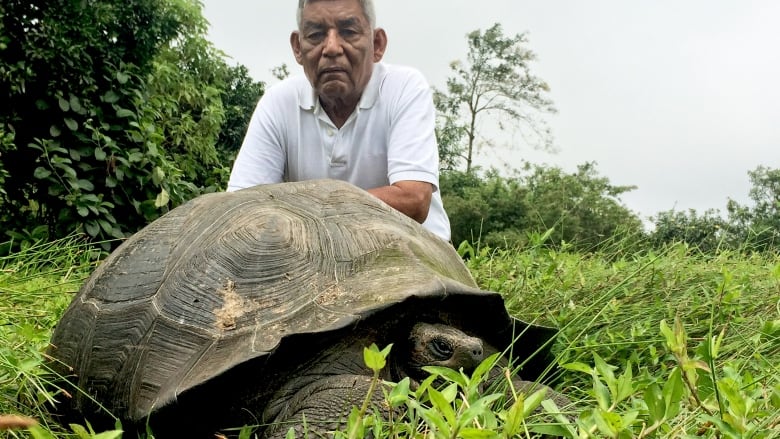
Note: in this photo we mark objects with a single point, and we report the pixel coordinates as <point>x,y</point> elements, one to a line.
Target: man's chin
<point>334,90</point>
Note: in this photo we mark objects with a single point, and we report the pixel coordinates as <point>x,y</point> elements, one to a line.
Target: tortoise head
<point>440,345</point>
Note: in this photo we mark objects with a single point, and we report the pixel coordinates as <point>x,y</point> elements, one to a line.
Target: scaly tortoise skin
<point>219,313</point>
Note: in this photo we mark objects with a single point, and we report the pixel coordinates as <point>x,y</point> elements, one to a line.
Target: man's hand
<point>412,198</point>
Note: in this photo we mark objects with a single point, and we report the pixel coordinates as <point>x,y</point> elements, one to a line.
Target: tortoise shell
<point>187,313</point>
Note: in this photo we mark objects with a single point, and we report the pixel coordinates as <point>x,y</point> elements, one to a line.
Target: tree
<point>495,80</point>
<point>481,208</point>
<point>110,112</point>
<point>705,231</point>
<point>758,227</point>
<point>239,99</point>
<point>583,208</point>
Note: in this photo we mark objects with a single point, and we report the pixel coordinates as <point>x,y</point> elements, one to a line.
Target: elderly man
<point>350,118</point>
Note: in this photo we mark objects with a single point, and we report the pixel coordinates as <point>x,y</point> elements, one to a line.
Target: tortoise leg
<point>323,406</point>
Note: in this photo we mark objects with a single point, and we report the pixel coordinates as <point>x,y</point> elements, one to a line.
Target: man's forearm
<point>412,198</point>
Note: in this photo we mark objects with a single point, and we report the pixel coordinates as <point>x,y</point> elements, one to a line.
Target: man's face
<point>337,49</point>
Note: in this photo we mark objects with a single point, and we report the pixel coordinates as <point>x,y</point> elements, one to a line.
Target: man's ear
<point>295,43</point>
<point>380,44</point>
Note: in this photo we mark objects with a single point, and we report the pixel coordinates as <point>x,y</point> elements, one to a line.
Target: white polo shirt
<point>388,138</point>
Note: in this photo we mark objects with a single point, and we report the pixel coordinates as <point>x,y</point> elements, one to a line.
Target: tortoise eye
<point>441,348</point>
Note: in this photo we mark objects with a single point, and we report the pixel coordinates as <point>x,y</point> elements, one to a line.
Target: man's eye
<point>348,32</point>
<point>315,36</point>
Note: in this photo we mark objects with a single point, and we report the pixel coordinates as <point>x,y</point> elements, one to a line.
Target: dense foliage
<point>753,227</point>
<point>111,114</point>
<point>581,209</point>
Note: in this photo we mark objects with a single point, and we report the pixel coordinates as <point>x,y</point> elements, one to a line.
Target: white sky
<point>678,97</point>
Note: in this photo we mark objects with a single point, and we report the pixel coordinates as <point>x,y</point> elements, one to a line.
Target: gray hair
<point>367,5</point>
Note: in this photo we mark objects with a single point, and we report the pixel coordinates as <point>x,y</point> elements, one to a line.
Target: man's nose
<point>333,44</point>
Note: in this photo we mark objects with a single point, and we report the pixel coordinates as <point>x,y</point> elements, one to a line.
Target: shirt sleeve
<point>262,157</point>
<point>413,153</point>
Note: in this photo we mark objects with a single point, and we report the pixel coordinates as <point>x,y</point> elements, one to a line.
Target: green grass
<point>36,285</point>
<point>708,323</point>
<point>668,344</point>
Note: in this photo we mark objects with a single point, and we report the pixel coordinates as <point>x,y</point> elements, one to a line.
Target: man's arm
<point>412,198</point>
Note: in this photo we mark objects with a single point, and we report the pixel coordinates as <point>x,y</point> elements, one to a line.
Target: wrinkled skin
<point>337,49</point>
<point>325,395</point>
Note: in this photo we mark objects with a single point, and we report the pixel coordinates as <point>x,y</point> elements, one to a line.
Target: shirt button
<point>331,132</point>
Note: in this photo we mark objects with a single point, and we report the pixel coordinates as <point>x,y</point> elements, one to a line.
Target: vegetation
<point>496,81</point>
<point>112,114</point>
<point>583,209</point>
<point>756,227</point>
<point>674,343</point>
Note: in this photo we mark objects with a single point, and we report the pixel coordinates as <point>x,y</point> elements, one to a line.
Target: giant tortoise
<point>253,307</point>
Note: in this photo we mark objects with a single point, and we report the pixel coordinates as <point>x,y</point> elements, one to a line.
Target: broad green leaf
<point>450,392</point>
<point>92,228</point>
<point>108,435</point>
<point>606,372</point>
<point>83,211</point>
<point>55,131</point>
<point>110,97</point>
<point>100,154</point>
<point>442,405</point>
<point>484,367</point>
<point>628,419</point>
<point>162,199</point>
<point>534,400</point>
<point>41,173</point>
<point>482,408</point>
<point>117,233</point>
<point>122,77</point>
<point>447,373</point>
<point>135,157</point>
<point>106,226</point>
<point>158,175</point>
<point>75,105</point>
<point>601,393</point>
<point>64,105</point>
<point>434,418</point>
<point>38,432</point>
<point>71,124</point>
<point>607,422</point>
<point>80,431</point>
<point>625,384</point>
<point>372,357</point>
<point>476,433</point>
<point>655,403</point>
<point>672,393</point>
<point>123,112</point>
<point>578,367</point>
<point>400,393</point>
<point>86,185</point>
<point>515,417</point>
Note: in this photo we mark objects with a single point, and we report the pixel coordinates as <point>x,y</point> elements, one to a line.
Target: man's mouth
<point>331,70</point>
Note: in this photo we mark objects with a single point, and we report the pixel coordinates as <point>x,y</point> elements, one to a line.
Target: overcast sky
<point>678,97</point>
